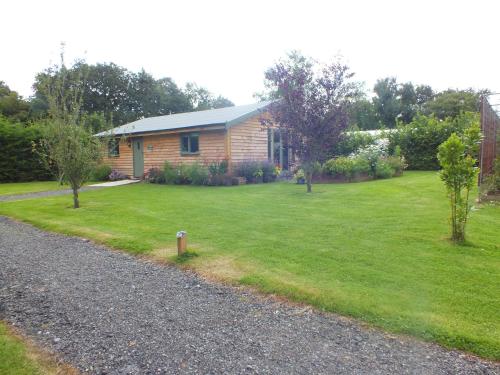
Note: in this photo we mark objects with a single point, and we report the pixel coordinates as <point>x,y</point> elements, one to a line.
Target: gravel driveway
<point>110,313</point>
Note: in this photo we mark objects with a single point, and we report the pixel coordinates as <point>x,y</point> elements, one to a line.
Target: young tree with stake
<point>457,159</point>
<point>67,143</point>
<point>311,107</point>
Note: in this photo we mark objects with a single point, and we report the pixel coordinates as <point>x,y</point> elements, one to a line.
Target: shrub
<point>182,174</point>
<point>300,176</point>
<point>397,163</point>
<point>169,173</point>
<point>372,154</point>
<point>268,171</point>
<point>218,168</point>
<point>347,167</point>
<point>419,140</point>
<point>155,176</point>
<point>352,141</point>
<point>197,174</point>
<point>116,175</point>
<point>384,169</point>
<point>18,162</point>
<point>101,172</point>
<point>248,169</point>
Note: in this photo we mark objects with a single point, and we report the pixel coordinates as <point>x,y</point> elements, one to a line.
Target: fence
<point>490,123</point>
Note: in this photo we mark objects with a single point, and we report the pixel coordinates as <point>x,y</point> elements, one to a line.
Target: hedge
<point>18,162</point>
<point>419,140</point>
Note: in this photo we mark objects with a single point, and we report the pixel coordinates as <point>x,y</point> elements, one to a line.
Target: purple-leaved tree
<point>311,107</point>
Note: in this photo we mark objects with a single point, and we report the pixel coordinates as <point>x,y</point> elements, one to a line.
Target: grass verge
<point>18,356</point>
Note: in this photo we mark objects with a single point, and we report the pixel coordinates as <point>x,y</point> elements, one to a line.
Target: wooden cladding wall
<point>123,162</point>
<point>245,141</point>
<point>160,148</point>
<point>248,141</point>
<point>163,147</point>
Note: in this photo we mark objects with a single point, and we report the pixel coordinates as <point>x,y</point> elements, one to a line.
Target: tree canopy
<point>312,106</point>
<point>123,96</point>
<point>12,105</point>
<point>394,102</point>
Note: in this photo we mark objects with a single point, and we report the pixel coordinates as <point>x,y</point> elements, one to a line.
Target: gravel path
<point>17,197</point>
<point>110,313</point>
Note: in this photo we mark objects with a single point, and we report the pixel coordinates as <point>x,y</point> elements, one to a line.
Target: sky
<point>226,46</point>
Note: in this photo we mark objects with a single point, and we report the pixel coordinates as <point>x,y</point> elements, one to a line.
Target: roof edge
<point>245,117</point>
<point>109,133</point>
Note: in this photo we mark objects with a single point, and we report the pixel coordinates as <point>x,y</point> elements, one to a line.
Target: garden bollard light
<point>181,242</point>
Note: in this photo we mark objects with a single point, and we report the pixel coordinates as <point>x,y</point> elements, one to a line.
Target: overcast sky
<point>225,46</point>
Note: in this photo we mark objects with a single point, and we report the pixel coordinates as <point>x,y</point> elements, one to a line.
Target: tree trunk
<point>309,182</point>
<point>76,202</point>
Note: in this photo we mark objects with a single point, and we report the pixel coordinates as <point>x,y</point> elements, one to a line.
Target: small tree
<point>67,143</point>
<point>457,159</point>
<point>311,107</point>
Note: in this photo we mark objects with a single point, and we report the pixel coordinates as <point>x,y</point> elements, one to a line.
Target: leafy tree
<point>395,102</point>
<point>423,93</point>
<point>107,91</point>
<point>408,102</point>
<point>221,102</point>
<point>13,106</point>
<point>457,159</point>
<point>123,96</point>
<point>362,115</point>
<point>202,99</point>
<point>67,143</point>
<point>312,111</point>
<point>451,103</point>
<point>386,102</point>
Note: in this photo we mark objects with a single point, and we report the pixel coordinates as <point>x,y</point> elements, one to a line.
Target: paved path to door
<point>108,312</point>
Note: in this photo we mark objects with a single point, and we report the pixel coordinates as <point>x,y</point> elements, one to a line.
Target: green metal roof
<point>228,116</point>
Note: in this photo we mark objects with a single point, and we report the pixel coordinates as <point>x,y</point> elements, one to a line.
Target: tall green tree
<point>362,115</point>
<point>12,105</point>
<point>407,102</point>
<point>123,96</point>
<point>386,101</point>
<point>202,99</point>
<point>450,103</point>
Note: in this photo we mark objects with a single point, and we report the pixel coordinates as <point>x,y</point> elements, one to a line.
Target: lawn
<point>29,187</point>
<point>377,251</point>
<point>20,358</point>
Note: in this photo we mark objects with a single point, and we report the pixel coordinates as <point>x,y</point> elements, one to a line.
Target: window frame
<point>114,148</point>
<point>189,143</point>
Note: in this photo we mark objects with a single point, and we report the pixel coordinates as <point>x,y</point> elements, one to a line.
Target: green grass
<point>377,251</point>
<point>29,187</point>
<point>17,358</point>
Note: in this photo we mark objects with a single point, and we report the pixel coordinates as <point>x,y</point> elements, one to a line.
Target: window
<point>114,148</point>
<point>190,144</point>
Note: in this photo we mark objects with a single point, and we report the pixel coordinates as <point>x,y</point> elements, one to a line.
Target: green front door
<point>138,155</point>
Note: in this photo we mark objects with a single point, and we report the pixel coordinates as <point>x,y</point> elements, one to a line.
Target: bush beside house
<point>214,173</point>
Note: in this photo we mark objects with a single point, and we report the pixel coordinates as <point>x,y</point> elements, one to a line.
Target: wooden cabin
<point>231,133</point>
